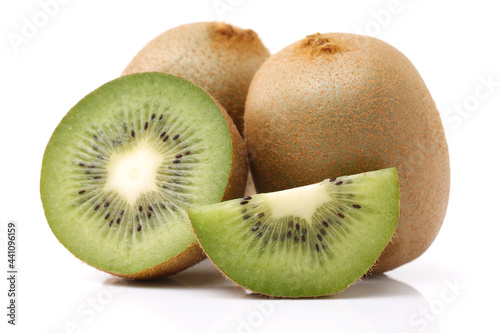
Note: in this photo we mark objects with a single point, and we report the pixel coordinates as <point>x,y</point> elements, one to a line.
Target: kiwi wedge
<point>308,241</point>
<point>125,163</point>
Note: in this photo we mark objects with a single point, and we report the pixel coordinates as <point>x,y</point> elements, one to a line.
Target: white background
<point>83,44</point>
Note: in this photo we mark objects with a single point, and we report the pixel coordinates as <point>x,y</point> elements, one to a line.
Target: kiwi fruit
<point>308,241</point>
<point>335,104</point>
<point>219,57</point>
<point>125,163</point>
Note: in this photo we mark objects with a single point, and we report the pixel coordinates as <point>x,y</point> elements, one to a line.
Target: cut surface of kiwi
<point>126,162</point>
<point>308,241</point>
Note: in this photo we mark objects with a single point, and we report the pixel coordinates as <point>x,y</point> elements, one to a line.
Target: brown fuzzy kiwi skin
<point>335,104</point>
<point>219,57</point>
<point>235,188</point>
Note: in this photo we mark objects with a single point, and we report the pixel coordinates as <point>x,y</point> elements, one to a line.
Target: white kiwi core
<point>133,173</point>
<point>291,203</point>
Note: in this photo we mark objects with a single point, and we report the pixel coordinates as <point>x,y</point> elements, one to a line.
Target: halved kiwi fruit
<point>303,242</point>
<point>126,162</point>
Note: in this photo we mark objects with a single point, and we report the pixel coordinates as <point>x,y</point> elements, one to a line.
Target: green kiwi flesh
<point>307,241</point>
<point>126,162</point>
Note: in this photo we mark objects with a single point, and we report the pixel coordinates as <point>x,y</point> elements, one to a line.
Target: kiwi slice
<point>308,241</point>
<point>126,162</point>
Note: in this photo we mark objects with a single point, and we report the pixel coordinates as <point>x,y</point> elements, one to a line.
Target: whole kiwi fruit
<point>219,57</point>
<point>335,104</point>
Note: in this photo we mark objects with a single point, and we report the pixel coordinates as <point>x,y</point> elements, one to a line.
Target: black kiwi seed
<point>106,204</point>
<point>81,164</point>
<point>150,207</point>
<point>107,216</point>
<point>247,197</point>
<point>96,207</point>
<point>118,220</point>
<point>153,116</point>
<point>161,117</point>
<point>149,215</point>
<point>339,183</point>
<point>187,153</point>
<point>81,192</point>
<point>178,156</point>
<point>325,224</point>
<point>175,137</point>
<point>303,238</point>
<point>255,228</point>
<point>146,125</point>
<point>244,202</point>
<point>297,226</point>
<point>121,213</point>
<point>165,138</point>
<point>140,208</point>
<point>246,217</point>
<point>261,215</point>
<point>132,133</point>
<point>111,222</point>
<point>162,134</point>
<point>176,161</point>
<point>320,238</point>
<point>332,179</point>
<point>139,227</point>
<point>356,206</point>
<point>341,215</point>
<point>317,248</point>
<point>289,234</point>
